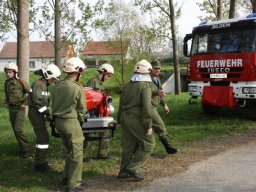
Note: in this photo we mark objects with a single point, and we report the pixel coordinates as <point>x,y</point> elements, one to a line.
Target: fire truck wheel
<point>210,110</point>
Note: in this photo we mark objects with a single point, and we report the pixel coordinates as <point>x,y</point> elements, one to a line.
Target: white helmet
<point>11,66</point>
<point>106,68</point>
<point>74,65</point>
<point>51,71</point>
<point>142,66</point>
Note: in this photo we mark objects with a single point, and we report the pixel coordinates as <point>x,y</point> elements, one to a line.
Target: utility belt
<point>125,108</point>
<point>56,117</point>
<point>132,114</point>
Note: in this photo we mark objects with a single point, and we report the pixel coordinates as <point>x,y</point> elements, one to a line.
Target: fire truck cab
<point>222,68</point>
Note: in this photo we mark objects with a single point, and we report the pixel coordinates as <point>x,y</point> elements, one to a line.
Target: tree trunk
<point>232,9</point>
<point>122,58</point>
<point>175,49</point>
<point>23,39</point>
<point>219,10</point>
<point>18,36</point>
<point>253,6</point>
<point>57,34</point>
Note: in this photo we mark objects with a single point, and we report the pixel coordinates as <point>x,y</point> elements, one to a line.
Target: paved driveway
<point>231,171</point>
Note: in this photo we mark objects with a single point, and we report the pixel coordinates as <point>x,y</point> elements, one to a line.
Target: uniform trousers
<point>137,146</point>
<point>72,136</point>
<point>17,119</point>
<point>158,124</point>
<point>42,136</point>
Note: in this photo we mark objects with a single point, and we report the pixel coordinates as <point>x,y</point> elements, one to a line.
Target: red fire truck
<point>222,68</point>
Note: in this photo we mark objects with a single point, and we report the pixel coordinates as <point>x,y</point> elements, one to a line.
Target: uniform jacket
<point>15,92</point>
<point>136,100</point>
<point>156,100</point>
<point>39,97</point>
<point>68,100</point>
<point>95,83</point>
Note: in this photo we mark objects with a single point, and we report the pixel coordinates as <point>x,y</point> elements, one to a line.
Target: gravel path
<point>231,171</point>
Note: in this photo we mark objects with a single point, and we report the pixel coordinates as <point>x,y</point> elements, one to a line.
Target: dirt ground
<point>167,165</point>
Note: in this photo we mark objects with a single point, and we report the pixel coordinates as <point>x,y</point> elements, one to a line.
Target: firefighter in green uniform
<point>158,98</point>
<point>105,72</point>
<point>68,110</point>
<point>15,93</point>
<point>39,101</point>
<point>135,117</point>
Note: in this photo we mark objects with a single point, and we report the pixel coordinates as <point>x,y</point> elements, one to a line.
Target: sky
<point>189,19</point>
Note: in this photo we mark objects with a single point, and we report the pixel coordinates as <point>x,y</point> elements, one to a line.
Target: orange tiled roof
<point>105,48</point>
<point>38,49</point>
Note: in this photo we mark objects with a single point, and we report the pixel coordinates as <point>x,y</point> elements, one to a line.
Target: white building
<point>41,54</point>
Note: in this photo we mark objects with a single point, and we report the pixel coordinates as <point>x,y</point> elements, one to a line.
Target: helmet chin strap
<point>78,77</point>
<point>47,82</point>
<point>102,77</point>
<point>16,75</point>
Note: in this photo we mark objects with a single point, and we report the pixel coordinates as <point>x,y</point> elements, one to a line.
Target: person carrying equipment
<point>68,109</point>
<point>96,83</point>
<point>39,113</point>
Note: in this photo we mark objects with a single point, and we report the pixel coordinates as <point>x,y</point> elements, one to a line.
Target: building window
<point>32,64</point>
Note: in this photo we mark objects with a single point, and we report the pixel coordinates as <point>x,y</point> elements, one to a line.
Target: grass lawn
<point>186,125</point>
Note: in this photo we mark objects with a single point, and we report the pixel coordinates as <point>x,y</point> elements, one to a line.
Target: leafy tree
<point>113,24</point>
<point>249,5</point>
<point>164,26</point>
<point>214,9</point>
<point>8,17</point>
<point>23,38</point>
<point>230,8</point>
<point>253,2</point>
<point>175,49</point>
<point>57,32</point>
<point>16,16</point>
<point>72,20</point>
<point>219,9</point>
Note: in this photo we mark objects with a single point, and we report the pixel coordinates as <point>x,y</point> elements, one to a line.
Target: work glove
<point>81,123</point>
<point>54,132</point>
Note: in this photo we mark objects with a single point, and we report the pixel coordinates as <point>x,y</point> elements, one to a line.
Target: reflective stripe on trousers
<point>42,146</point>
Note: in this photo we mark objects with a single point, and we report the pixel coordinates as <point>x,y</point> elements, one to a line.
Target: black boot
<point>43,167</point>
<point>169,149</point>
<point>25,153</point>
<point>124,174</point>
<point>80,188</point>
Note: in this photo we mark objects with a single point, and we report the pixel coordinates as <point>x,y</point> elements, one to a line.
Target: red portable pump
<point>98,119</point>
<point>98,103</point>
<point>99,106</point>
